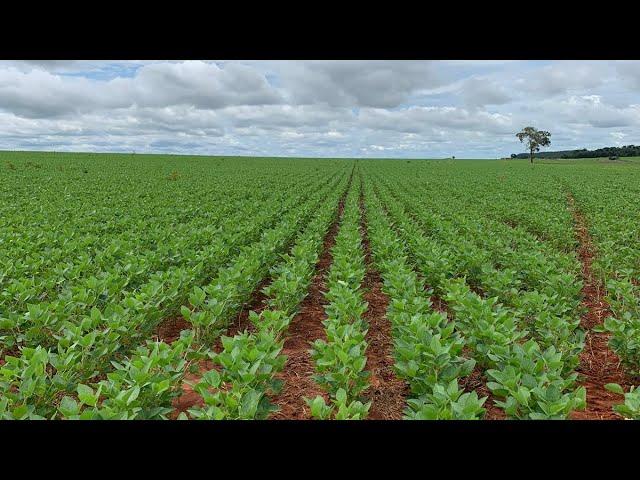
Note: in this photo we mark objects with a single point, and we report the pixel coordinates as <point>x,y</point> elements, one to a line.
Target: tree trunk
<point>531,156</point>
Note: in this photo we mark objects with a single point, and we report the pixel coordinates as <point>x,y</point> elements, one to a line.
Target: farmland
<point>174,287</point>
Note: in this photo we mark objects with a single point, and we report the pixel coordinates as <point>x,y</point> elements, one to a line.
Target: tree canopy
<point>534,138</point>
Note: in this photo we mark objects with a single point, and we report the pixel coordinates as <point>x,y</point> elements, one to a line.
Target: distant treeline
<point>626,151</point>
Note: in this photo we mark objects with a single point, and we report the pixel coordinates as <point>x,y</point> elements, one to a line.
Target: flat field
<point>162,287</point>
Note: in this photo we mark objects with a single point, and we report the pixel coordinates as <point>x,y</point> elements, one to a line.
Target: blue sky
<point>405,109</point>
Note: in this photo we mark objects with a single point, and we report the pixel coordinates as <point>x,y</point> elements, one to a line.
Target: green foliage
<point>98,251</point>
<point>630,408</point>
<point>500,289</point>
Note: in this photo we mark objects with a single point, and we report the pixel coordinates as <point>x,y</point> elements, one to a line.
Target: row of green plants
<point>428,349</point>
<point>39,322</point>
<point>234,389</point>
<point>214,305</point>
<point>624,328</point>
<point>123,259</point>
<point>340,359</point>
<point>531,380</point>
<point>113,229</point>
<point>541,287</point>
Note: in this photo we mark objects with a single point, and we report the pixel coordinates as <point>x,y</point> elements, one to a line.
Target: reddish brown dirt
<point>188,398</point>
<point>598,364</point>
<point>476,381</point>
<point>256,304</point>
<point>387,392</point>
<point>438,304</point>
<point>306,327</point>
<point>169,330</point>
<point>8,352</point>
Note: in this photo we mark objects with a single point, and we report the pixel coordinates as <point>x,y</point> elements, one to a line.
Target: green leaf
<point>133,395</point>
<point>20,412</point>
<point>69,407</point>
<point>615,388</point>
<point>86,395</point>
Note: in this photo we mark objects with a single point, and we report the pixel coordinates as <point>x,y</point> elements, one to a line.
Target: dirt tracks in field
<point>305,328</point>
<point>387,392</point>
<point>598,364</point>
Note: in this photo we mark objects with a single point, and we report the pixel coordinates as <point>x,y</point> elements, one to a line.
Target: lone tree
<point>535,139</point>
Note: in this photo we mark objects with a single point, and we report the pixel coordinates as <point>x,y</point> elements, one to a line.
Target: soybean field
<point>189,287</point>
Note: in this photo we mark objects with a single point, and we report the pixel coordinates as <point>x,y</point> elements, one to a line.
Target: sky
<point>345,108</point>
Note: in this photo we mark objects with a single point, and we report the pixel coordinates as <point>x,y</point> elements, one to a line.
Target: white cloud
<point>40,93</point>
<point>421,119</point>
<point>382,84</point>
<point>479,92</point>
<point>316,108</point>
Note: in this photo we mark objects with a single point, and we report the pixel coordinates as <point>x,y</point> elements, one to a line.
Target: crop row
<point>340,359</point>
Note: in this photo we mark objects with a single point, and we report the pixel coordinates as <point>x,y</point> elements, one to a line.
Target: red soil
<point>439,305</point>
<point>387,392</point>
<point>256,304</point>
<point>169,329</point>
<point>598,364</point>
<point>305,327</point>
<point>476,381</point>
<point>188,398</point>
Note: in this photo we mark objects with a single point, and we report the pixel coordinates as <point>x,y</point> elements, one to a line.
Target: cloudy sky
<point>417,109</point>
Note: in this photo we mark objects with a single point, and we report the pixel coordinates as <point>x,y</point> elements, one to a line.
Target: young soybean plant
<point>630,408</point>
<point>340,361</point>
<point>624,325</point>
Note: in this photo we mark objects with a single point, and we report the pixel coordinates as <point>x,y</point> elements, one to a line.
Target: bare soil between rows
<point>305,328</point>
<point>387,392</point>
<point>599,365</point>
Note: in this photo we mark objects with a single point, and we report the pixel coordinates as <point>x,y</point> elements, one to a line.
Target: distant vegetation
<point>626,151</point>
